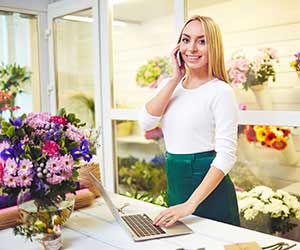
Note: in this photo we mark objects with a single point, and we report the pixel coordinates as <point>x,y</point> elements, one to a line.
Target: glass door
<point>71,59</point>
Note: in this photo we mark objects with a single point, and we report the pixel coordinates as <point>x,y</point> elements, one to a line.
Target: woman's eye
<point>184,40</point>
<point>202,41</point>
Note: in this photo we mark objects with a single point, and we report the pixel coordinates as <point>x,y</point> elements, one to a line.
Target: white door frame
<point>101,75</point>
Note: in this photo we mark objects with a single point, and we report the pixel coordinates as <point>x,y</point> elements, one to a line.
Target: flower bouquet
<point>268,136</point>
<point>280,207</point>
<point>39,154</point>
<point>253,73</point>
<point>149,74</point>
<point>296,63</point>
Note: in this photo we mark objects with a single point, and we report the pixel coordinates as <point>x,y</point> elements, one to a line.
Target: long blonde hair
<point>216,63</point>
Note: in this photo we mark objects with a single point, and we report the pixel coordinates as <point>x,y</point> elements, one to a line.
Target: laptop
<point>140,226</point>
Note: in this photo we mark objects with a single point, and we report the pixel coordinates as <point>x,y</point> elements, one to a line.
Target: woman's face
<point>193,45</point>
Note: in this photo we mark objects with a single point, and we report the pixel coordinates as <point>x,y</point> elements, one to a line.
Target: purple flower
<point>82,151</point>
<point>17,123</point>
<point>297,55</point>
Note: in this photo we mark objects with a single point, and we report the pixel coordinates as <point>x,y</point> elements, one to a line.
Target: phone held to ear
<point>179,58</point>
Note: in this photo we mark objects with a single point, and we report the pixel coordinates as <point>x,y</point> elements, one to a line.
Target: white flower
<point>250,214</point>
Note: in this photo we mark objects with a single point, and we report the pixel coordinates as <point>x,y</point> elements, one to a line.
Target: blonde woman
<point>197,111</point>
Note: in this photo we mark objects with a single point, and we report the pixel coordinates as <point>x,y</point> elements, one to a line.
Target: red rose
<point>59,120</point>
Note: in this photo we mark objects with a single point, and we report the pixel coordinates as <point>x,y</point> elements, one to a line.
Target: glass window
<point>19,47</point>
<point>143,35</point>
<point>74,64</point>
<point>274,31</point>
<point>270,156</point>
<point>140,158</point>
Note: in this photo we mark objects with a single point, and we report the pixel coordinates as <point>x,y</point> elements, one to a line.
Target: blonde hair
<point>216,63</point>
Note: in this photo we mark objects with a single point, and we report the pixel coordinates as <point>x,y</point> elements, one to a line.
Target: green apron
<point>184,174</point>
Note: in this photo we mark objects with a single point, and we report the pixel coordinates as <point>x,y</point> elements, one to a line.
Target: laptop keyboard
<point>142,225</point>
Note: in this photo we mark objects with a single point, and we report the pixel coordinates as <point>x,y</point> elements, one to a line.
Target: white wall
<point>32,5</point>
<point>249,25</point>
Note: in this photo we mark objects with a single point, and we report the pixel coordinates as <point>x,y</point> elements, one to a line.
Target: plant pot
<point>289,153</point>
<point>298,74</point>
<point>263,96</point>
<point>124,129</point>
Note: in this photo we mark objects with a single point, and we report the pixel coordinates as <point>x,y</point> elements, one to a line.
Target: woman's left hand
<point>169,216</point>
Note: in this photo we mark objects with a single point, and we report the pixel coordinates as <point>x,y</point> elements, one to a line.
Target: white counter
<point>95,228</point>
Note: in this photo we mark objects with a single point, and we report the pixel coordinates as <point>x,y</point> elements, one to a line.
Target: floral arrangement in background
<point>13,78</point>
<point>280,206</point>
<point>296,62</point>
<point>242,71</point>
<point>5,103</point>
<point>153,71</point>
<point>38,160</point>
<point>269,136</point>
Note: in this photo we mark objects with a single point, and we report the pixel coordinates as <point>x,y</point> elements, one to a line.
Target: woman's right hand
<point>178,71</point>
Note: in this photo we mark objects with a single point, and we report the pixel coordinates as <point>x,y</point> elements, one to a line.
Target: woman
<point>197,111</point>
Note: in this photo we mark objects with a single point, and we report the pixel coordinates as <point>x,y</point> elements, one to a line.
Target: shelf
<point>134,139</point>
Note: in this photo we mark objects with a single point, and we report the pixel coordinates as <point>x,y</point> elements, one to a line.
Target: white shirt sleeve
<point>226,120</point>
<point>146,120</point>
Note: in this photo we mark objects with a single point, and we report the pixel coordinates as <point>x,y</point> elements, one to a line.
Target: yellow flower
<point>260,133</point>
<point>293,63</point>
<point>40,224</point>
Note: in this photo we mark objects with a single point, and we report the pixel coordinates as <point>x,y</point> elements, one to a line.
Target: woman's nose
<point>193,47</point>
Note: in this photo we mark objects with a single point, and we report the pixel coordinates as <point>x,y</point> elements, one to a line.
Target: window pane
<point>141,32</point>
<point>270,156</point>
<point>140,160</point>
<point>74,64</point>
<point>244,35</point>
<point>18,45</point>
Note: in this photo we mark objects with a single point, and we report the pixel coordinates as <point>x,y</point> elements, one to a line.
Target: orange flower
<point>269,138</point>
<point>250,133</point>
<point>279,143</point>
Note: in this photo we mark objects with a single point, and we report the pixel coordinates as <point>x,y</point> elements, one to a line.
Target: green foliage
<point>150,71</point>
<point>139,175</point>
<point>13,78</point>
<point>160,199</point>
<point>87,102</point>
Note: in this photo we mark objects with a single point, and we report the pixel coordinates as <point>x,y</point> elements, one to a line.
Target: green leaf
<point>11,131</point>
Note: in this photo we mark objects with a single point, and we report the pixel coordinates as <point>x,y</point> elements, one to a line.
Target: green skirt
<point>184,174</point>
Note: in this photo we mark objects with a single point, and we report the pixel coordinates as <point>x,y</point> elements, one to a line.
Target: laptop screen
<point>106,198</point>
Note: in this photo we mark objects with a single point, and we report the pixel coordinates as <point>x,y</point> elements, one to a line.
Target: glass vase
<point>46,221</point>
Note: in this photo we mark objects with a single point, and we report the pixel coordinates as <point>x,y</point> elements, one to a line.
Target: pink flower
<point>50,148</point>
<point>54,165</point>
<point>9,180</point>
<point>24,180</point>
<point>74,133</point>
<point>242,106</point>
<point>37,120</point>
<point>55,179</point>
<point>67,162</point>
<point>13,108</point>
<point>11,167</point>
<point>59,120</point>
<point>25,167</point>
<point>2,164</point>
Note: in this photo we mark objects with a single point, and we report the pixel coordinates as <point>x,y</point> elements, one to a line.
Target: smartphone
<point>179,58</point>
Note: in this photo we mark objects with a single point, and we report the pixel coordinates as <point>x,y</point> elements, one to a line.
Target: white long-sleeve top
<point>198,120</point>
